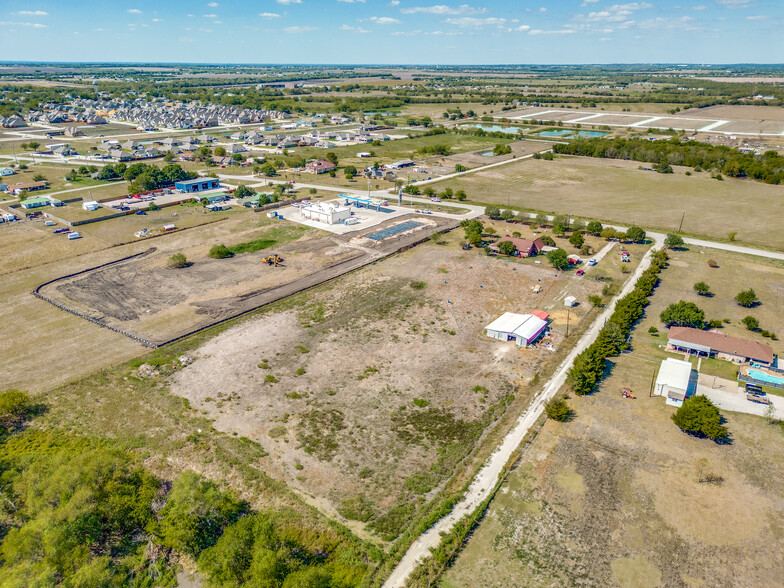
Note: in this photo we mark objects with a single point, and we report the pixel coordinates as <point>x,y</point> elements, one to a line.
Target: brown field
<point>328,388</point>
<point>741,112</point>
<point>615,190</point>
<point>616,120</point>
<point>767,127</point>
<point>613,497</point>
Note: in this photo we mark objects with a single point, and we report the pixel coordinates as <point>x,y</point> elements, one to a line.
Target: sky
<point>393,32</point>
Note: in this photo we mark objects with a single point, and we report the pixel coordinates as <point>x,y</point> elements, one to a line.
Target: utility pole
<point>682,217</point>
<point>568,312</point>
<point>650,392</point>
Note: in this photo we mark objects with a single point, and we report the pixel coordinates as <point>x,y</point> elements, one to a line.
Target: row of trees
<point>768,167</point>
<point>589,365</point>
<point>688,314</point>
<point>144,177</point>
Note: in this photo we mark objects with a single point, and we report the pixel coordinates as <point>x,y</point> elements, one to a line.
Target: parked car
<point>591,261</point>
<point>580,272</point>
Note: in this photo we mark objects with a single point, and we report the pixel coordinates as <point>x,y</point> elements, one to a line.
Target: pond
<point>571,133</point>
<point>497,128</point>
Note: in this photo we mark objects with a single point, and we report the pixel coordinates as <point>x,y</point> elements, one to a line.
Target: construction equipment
<point>627,393</point>
<point>274,260</point>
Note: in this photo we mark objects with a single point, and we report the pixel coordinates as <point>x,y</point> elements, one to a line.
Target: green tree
<point>594,228</point>
<point>608,233</point>
<point>350,171</point>
<point>460,195</point>
<point>493,212</point>
<point>169,156</point>
<point>15,406</point>
<point>547,240</point>
<point>683,314</point>
<point>269,170</point>
<point>558,410</point>
<point>459,168</point>
<point>501,149</point>
<point>635,235</point>
<point>747,298</point>
<point>153,207</point>
<point>558,258</point>
<point>220,151</point>
<point>702,289</point>
<point>673,241</point>
<point>429,191</point>
<point>332,157</point>
<point>243,192</point>
<point>39,178</point>
<point>595,300</point>
<point>195,514</point>
<point>577,239</point>
<point>507,248</point>
<point>751,323</point>
<point>176,261</point>
<point>699,417</point>
<point>220,252</point>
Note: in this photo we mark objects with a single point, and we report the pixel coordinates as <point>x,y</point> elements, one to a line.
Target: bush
<point>243,192</point>
<point>577,239</point>
<point>558,259</point>
<point>594,228</point>
<point>702,289</point>
<point>653,330</point>
<point>153,207</point>
<point>683,314</point>
<point>698,416</point>
<point>596,300</point>
<point>418,285</point>
<point>177,261</point>
<point>673,241</point>
<point>714,324</point>
<point>635,235</point>
<point>713,263</point>
<point>747,298</point>
<point>558,410</point>
<point>220,252</point>
<point>547,240</point>
<point>752,324</point>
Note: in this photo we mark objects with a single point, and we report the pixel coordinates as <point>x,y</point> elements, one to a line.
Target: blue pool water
<point>497,128</point>
<point>487,154</point>
<point>765,377</point>
<point>389,231</point>
<point>572,134</point>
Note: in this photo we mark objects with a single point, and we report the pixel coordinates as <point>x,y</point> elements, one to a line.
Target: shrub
<point>177,260</point>
<point>747,298</point>
<point>507,248</point>
<point>594,228</point>
<point>751,323</point>
<point>683,314</point>
<point>702,289</point>
<point>558,410</point>
<point>673,241</point>
<point>547,240</point>
<point>421,403</point>
<point>577,239</point>
<point>699,417</point>
<point>596,300</point>
<point>558,259</point>
<point>653,330</point>
<point>635,234</point>
<point>220,252</point>
<point>713,263</point>
<point>418,285</point>
<point>714,324</point>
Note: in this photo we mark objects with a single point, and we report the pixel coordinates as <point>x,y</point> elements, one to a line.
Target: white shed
<point>90,205</point>
<point>676,381</point>
<point>326,213</point>
<point>523,329</point>
<point>570,301</point>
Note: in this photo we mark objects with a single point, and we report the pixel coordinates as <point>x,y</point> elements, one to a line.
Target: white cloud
<point>287,2</point>
<point>185,39</point>
<point>476,23</point>
<point>32,25</point>
<point>384,20</point>
<point>210,15</point>
<point>157,20</point>
<point>32,13</point>
<point>217,22</point>
<point>134,11</point>
<point>406,33</point>
<point>352,1</point>
<point>394,2</point>
<point>299,29</point>
<point>523,28</point>
<point>269,15</point>
<point>205,30</point>
<point>661,22</point>
<point>213,4</point>
<point>757,17</point>
<point>555,32</point>
<point>734,3</point>
<point>443,9</point>
<point>346,27</point>
<point>542,9</point>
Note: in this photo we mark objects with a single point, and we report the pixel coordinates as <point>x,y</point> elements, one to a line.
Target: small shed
<point>523,329</point>
<point>197,185</point>
<point>676,380</point>
<point>570,301</point>
<point>90,205</point>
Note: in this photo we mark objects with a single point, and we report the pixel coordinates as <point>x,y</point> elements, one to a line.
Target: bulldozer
<point>274,260</point>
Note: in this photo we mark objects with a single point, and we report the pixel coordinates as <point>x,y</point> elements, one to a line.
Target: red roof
<point>723,343</point>
<point>526,246</point>
<point>541,314</point>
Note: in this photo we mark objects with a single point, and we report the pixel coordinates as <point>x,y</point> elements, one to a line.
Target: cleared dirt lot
<point>371,393</point>
<point>619,191</point>
<point>755,113</point>
<point>150,300</point>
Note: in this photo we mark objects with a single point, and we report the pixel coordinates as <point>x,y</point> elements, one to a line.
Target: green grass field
<point>617,191</point>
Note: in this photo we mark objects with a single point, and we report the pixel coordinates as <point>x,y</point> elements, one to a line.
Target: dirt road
<point>487,477</point>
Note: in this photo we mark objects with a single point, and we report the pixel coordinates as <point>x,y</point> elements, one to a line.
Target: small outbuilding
<point>523,329</point>
<point>570,301</point>
<point>326,213</point>
<point>197,185</point>
<point>676,381</point>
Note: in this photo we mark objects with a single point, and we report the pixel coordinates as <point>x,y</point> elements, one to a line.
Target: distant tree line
<point>768,167</point>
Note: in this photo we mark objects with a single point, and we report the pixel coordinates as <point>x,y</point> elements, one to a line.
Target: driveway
<point>728,395</point>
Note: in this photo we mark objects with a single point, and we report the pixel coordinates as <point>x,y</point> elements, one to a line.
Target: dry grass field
<point>751,113</point>
<point>617,191</point>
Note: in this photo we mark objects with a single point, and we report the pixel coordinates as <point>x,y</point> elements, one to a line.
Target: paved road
<point>487,477</point>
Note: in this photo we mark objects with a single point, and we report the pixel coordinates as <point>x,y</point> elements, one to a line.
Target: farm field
<point>617,191</point>
<point>728,112</point>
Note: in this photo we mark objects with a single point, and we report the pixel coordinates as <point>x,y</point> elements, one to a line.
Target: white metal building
<point>326,213</point>
<point>676,381</point>
<point>523,329</point>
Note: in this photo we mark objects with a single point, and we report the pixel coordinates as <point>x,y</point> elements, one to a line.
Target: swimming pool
<point>487,154</point>
<point>765,377</point>
<point>497,128</point>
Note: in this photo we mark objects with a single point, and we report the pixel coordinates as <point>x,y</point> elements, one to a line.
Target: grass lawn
<point>618,191</point>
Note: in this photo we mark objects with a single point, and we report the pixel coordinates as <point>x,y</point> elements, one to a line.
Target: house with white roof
<point>676,381</point>
<point>523,329</point>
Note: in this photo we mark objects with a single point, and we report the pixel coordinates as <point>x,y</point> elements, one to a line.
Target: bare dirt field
<point>144,297</point>
<point>369,395</point>
<point>750,126</point>
<point>446,165</point>
<point>615,190</point>
<point>724,112</point>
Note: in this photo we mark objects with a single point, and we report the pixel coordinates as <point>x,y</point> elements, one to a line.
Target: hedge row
<point>588,367</point>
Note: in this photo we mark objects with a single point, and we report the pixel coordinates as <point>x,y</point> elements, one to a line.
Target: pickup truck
<point>758,399</point>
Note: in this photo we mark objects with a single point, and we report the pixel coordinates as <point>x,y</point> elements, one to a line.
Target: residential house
<point>525,247</point>
<point>713,344</point>
<point>17,189</point>
<point>319,166</point>
<point>523,329</point>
